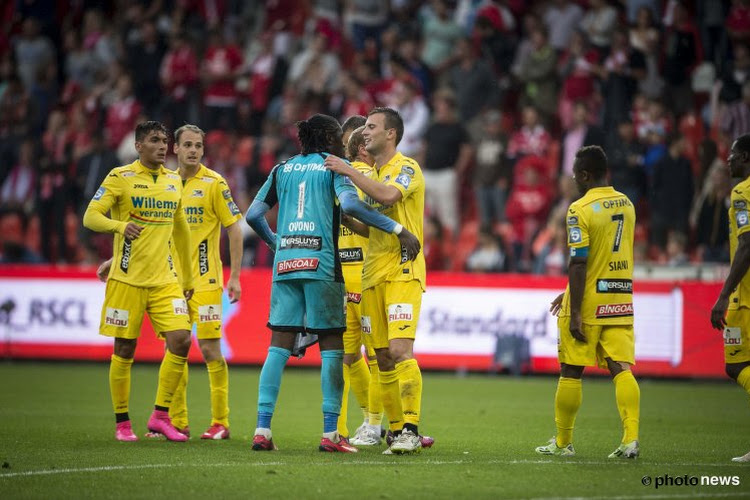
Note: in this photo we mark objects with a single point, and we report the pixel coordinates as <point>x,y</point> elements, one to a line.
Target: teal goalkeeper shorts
<point>311,306</point>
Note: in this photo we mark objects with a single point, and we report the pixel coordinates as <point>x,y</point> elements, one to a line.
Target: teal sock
<point>270,382</point>
<point>332,384</point>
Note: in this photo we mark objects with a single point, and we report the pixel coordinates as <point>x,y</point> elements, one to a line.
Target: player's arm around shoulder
<point>378,191</point>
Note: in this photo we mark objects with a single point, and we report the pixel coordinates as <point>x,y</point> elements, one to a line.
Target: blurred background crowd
<point>496,96</point>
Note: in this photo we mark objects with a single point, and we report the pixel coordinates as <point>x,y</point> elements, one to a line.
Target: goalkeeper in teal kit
<point>308,292</point>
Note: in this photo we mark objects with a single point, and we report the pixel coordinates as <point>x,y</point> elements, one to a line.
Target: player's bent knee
<point>125,348</point>
<point>211,349</point>
<point>401,350</point>
<point>616,367</point>
<point>385,361</point>
<point>349,359</point>
<point>178,342</point>
<point>733,370</point>
<point>285,340</point>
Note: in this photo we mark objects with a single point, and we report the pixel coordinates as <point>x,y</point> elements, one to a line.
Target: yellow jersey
<point>386,260</point>
<point>600,226</point>
<point>208,205</point>
<point>739,224</point>
<point>151,199</point>
<point>352,246</point>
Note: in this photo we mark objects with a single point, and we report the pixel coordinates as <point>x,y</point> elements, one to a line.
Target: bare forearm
<point>577,281</point>
<point>385,195</point>
<point>235,249</point>
<point>737,270</point>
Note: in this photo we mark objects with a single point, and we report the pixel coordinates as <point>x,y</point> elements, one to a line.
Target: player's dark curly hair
<point>320,134</point>
<point>742,143</point>
<point>392,120</point>
<point>593,160</point>
<point>144,128</point>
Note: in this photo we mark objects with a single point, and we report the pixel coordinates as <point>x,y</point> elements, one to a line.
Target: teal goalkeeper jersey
<point>309,217</point>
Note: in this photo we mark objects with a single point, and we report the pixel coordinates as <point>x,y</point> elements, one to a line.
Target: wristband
<point>397,229</point>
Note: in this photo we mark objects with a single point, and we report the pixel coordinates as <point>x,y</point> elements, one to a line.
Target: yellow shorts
<point>390,310</point>
<point>616,342</point>
<point>737,336</point>
<point>353,336</point>
<point>124,305</point>
<point>205,311</point>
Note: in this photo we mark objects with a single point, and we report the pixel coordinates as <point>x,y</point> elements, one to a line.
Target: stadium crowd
<point>496,96</point>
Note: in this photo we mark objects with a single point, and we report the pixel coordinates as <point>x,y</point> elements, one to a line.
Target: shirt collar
<point>140,168</point>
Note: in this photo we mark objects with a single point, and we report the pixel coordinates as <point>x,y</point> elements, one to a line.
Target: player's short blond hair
<point>356,139</point>
<point>188,128</point>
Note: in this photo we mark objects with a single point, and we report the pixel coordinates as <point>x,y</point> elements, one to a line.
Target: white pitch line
<point>400,463</point>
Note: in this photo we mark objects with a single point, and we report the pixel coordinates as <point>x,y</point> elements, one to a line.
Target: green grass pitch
<point>57,441</point>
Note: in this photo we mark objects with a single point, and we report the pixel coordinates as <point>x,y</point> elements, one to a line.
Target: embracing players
<point>595,325</point>
<point>308,292</point>
<point>392,284</point>
<point>144,199</point>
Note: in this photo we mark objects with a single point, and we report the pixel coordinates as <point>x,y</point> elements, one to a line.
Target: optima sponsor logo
<point>303,242</point>
<point>203,257</point>
<point>614,286</point>
<point>614,310</point>
<point>116,317</point>
<point>148,202</point>
<point>294,265</point>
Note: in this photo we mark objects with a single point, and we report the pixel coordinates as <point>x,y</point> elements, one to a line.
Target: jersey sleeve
<point>740,203</point>
<point>104,199</point>
<point>406,181</point>
<point>578,233</point>
<point>223,204</point>
<point>342,184</point>
<point>267,193</point>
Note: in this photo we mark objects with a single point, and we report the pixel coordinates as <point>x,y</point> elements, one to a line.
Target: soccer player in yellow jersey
<point>144,200</point>
<point>208,205</point>
<point>392,285</point>
<point>734,298</point>
<point>595,324</point>
<point>353,241</point>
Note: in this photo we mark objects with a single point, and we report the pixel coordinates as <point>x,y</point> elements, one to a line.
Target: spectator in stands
<point>33,51</point>
<point>735,73</point>
<point>550,252</point>
<point>474,84</point>
<point>712,216</point>
<point>676,254</point>
<point>433,244</point>
<point>562,18</point>
<point>682,53</point>
<point>644,33</point>
<point>525,46</point>
<point>440,33</point>
<point>711,16</point>
<point>672,189</point>
<point>447,156</point>
<point>578,135</point>
<point>496,47</point>
<point>488,256</point>
<point>219,70</point>
<point>491,176</point>
<point>415,114</point>
<point>179,78</point>
<point>735,120</point>
<point>146,54</point>
<point>626,156</point>
<point>91,170</point>
<point>366,20</point>
<point>651,84</point>
<point>13,228</point>
<point>16,110</point>
<point>578,69</point>
<point>738,21</point>
<point>316,69</point>
<point>122,113</point>
<point>408,49</point>
<point>80,64</point>
<point>599,22</point>
<point>633,8</point>
<point>531,139</point>
<point>19,188</point>
<point>538,74</point>
<point>623,68</point>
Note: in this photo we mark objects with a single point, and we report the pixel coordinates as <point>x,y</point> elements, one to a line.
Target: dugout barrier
<point>468,322</point>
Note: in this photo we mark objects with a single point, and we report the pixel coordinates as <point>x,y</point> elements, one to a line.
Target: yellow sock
<point>170,372</point>
<point>410,382</point>
<point>744,379</point>
<point>359,377</point>
<point>119,383</point>
<point>375,402</point>
<point>567,401</point>
<point>341,424</point>
<point>218,379</point>
<point>178,412</point>
<point>391,396</point>
<point>628,397</point>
